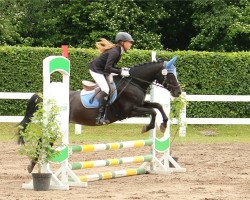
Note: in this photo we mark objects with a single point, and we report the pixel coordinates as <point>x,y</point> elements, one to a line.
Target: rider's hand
<point>125,72</point>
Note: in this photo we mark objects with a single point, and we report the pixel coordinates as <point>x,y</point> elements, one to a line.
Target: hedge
<point>198,73</point>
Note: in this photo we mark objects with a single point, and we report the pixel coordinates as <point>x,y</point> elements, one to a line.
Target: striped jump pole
<point>113,174</point>
<point>111,146</point>
<point>110,162</point>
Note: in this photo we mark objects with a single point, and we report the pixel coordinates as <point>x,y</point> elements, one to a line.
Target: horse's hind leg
<point>158,106</point>
<point>30,110</point>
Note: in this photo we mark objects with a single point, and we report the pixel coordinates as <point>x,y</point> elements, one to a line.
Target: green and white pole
<point>59,92</point>
<point>162,145</point>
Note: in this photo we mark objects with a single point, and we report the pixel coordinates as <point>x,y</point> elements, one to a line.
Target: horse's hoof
<point>163,127</point>
<point>31,166</point>
<point>144,129</point>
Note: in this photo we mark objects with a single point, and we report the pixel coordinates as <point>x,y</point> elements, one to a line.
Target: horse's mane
<point>146,68</point>
<point>146,63</point>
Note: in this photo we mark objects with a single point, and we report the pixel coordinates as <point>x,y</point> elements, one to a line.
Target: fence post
<point>183,117</point>
<point>78,129</point>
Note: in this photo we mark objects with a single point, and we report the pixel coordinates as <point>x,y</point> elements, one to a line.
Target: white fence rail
<point>13,95</point>
<point>213,98</point>
<point>144,120</point>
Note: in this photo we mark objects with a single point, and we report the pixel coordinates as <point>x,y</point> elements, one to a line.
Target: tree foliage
<point>222,25</point>
<point>10,19</point>
<point>214,25</point>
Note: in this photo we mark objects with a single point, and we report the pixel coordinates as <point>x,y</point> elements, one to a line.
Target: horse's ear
<point>171,62</point>
<point>170,66</point>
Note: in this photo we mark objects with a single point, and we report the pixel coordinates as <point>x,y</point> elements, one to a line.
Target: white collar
<point>122,50</point>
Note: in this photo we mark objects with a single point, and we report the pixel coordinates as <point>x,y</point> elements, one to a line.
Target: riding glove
<point>125,72</point>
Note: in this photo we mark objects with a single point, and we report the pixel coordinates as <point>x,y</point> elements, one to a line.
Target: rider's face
<point>127,45</point>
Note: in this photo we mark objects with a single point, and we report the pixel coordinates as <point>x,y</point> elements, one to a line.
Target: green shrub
<point>198,73</point>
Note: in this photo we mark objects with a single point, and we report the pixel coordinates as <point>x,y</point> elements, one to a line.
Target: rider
<point>102,67</point>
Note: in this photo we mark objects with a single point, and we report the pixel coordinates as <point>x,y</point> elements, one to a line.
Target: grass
<point>118,132</point>
<point>218,133</point>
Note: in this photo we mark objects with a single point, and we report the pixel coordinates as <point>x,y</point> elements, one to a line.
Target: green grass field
<point>118,132</point>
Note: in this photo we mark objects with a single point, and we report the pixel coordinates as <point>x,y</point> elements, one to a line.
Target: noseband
<point>170,87</point>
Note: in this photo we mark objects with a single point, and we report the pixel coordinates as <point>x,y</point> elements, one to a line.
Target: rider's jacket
<point>105,63</point>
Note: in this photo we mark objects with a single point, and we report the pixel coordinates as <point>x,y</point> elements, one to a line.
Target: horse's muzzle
<point>175,90</point>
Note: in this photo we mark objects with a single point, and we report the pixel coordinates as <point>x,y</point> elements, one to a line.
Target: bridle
<point>169,87</point>
<point>156,83</point>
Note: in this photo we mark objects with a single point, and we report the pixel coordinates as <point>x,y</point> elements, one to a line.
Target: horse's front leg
<point>139,111</point>
<point>158,106</point>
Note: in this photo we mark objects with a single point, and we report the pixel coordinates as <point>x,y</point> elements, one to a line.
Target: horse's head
<point>168,78</point>
<point>163,73</point>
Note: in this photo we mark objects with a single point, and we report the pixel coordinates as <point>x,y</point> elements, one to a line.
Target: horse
<point>130,100</point>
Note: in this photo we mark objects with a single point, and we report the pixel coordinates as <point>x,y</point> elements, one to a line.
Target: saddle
<point>90,94</point>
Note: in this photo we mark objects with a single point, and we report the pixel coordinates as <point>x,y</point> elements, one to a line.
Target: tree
<point>211,25</point>
<point>177,29</point>
<point>82,22</point>
<point>9,21</point>
<point>239,31</point>
<point>222,25</point>
<point>139,18</point>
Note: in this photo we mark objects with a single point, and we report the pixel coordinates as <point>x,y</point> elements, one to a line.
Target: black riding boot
<point>101,115</point>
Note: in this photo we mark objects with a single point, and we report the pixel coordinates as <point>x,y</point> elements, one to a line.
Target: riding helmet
<point>123,36</point>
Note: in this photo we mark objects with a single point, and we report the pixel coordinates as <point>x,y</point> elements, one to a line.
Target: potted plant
<point>39,136</point>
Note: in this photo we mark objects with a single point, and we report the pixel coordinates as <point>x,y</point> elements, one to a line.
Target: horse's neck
<point>144,75</point>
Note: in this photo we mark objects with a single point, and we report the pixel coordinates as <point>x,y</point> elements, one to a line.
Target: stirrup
<point>102,121</point>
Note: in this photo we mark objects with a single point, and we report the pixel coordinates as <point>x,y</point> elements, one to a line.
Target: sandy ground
<point>214,172</point>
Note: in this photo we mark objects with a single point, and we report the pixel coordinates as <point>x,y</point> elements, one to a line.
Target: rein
<point>118,85</point>
<point>155,83</point>
<point>142,80</point>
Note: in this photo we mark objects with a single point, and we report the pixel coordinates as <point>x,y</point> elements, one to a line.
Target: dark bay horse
<point>130,101</point>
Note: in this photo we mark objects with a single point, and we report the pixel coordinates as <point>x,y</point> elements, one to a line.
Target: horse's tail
<point>30,110</point>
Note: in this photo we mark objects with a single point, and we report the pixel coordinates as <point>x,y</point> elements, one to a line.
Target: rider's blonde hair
<point>104,45</point>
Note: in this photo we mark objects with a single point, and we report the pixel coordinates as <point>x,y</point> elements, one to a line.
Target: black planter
<point>41,181</point>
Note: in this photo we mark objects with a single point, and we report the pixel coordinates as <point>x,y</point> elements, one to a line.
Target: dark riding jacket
<point>105,63</point>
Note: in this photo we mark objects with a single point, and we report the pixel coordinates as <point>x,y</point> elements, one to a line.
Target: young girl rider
<point>102,67</point>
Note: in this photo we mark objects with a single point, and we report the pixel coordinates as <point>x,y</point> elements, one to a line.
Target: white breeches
<point>101,81</point>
